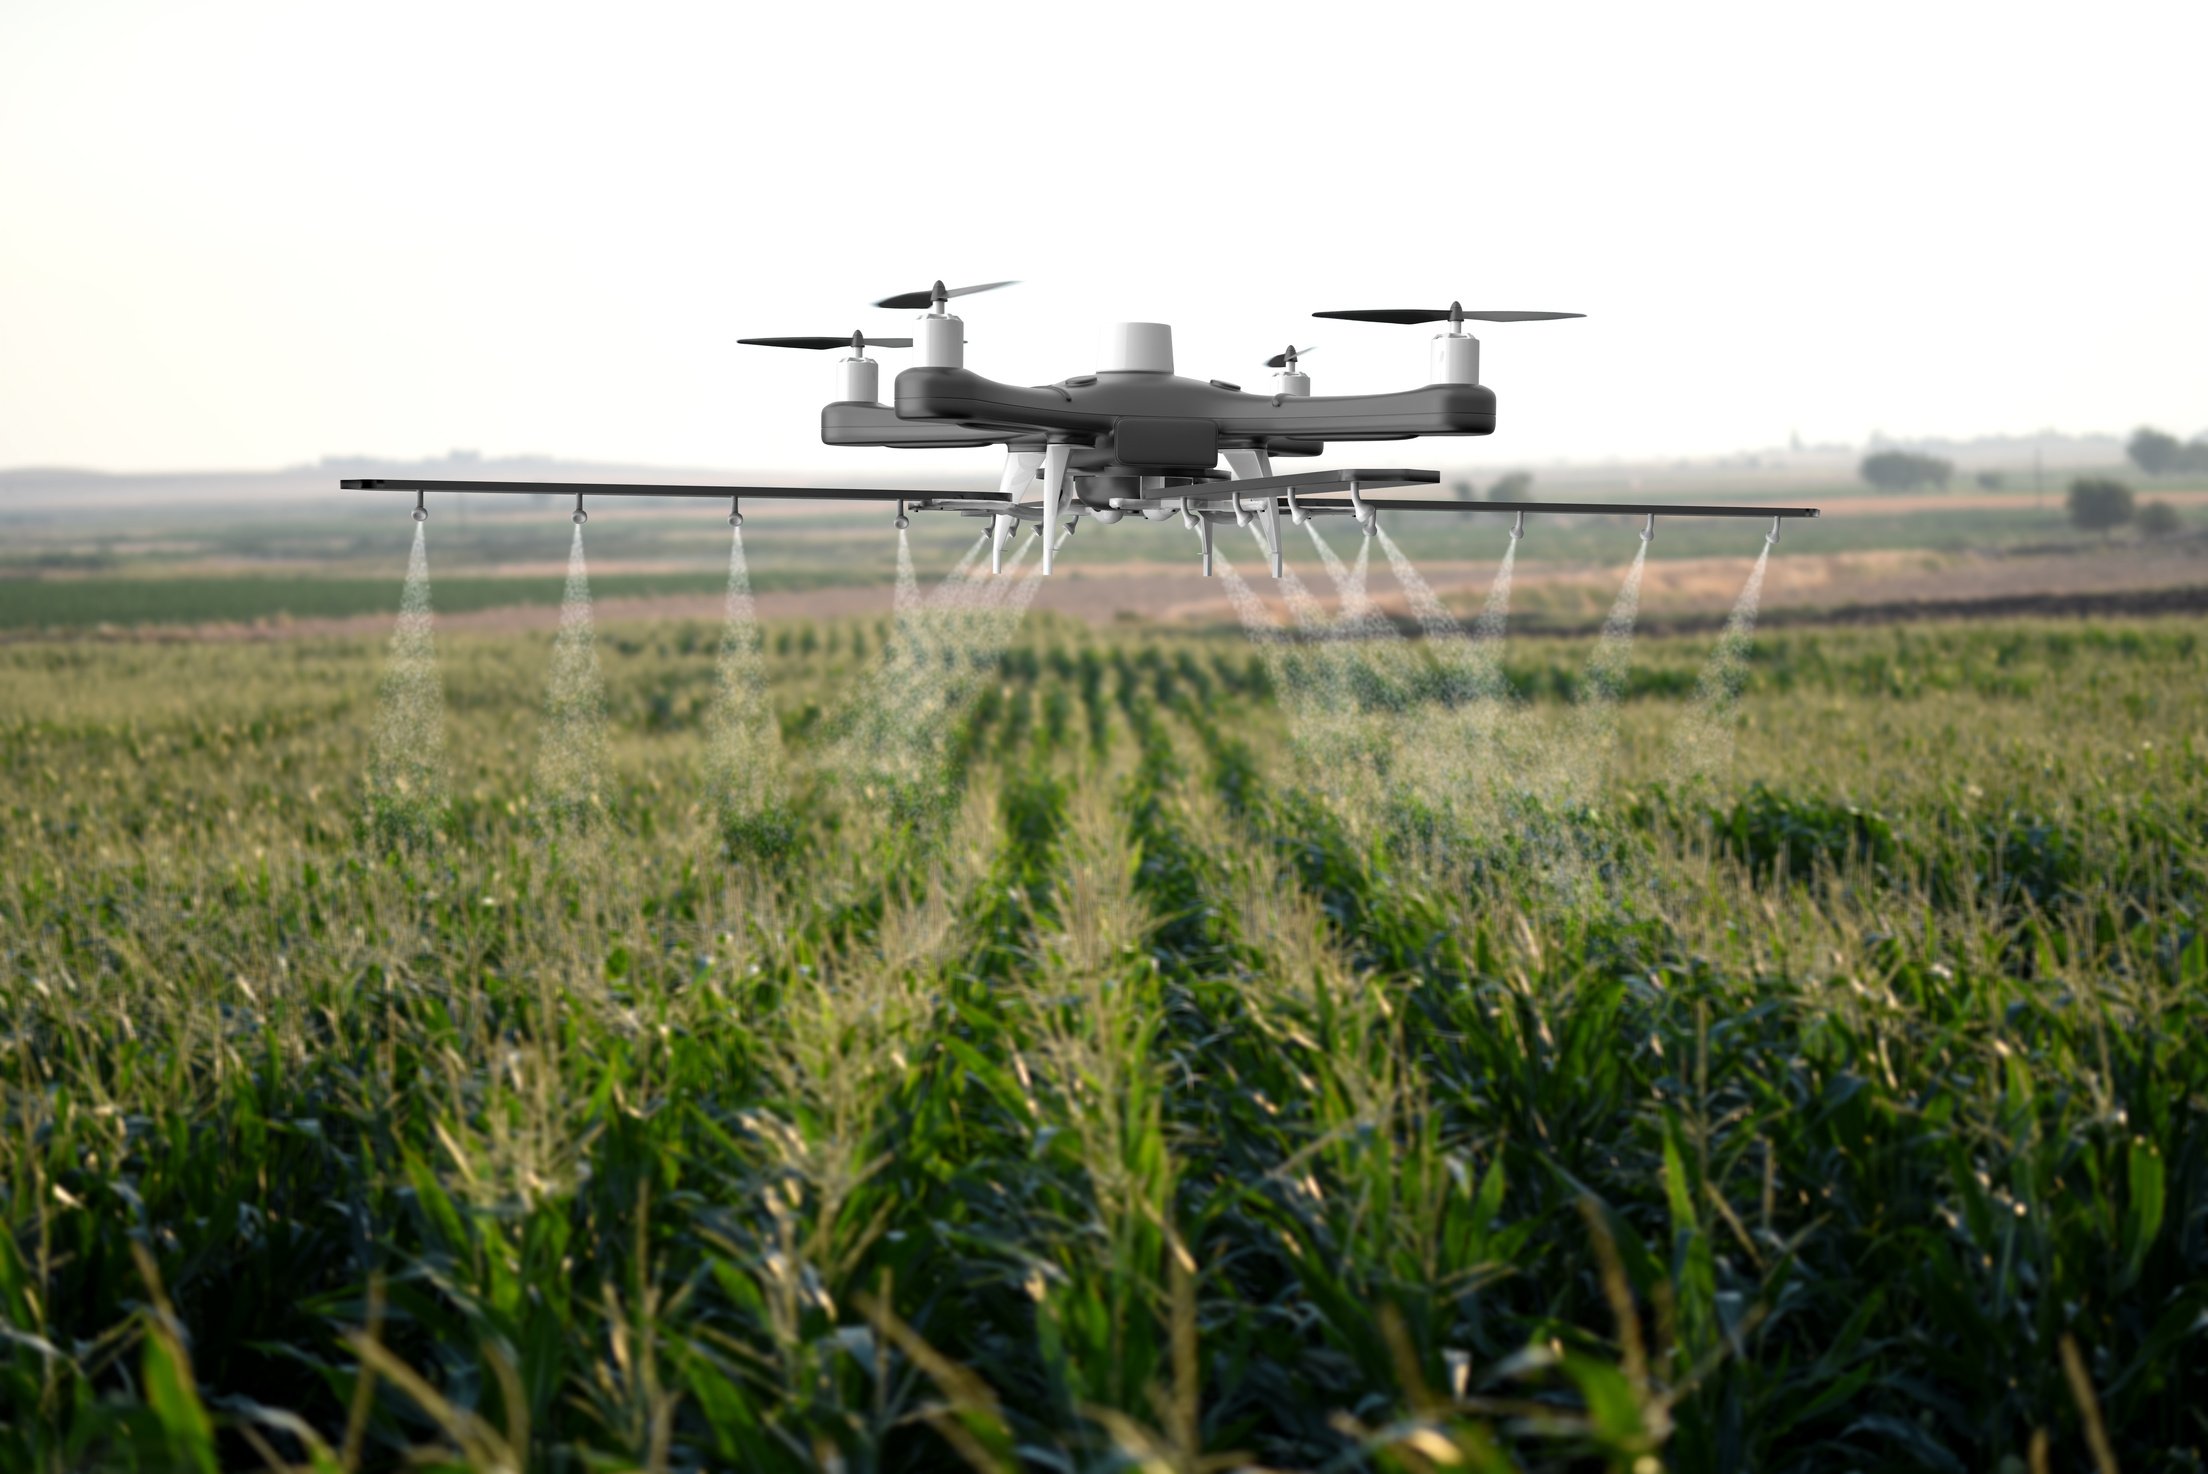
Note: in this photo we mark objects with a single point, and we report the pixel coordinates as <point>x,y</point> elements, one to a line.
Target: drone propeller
<point>936,295</point>
<point>857,343</point>
<point>1288,360</point>
<point>1453,314</point>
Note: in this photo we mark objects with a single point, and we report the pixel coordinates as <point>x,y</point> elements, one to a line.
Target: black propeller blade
<point>937,293</point>
<point>1282,360</point>
<point>1451,313</point>
<point>857,342</point>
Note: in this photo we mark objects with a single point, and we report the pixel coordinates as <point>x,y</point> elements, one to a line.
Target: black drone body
<point>1138,423</point>
<point>1136,437</point>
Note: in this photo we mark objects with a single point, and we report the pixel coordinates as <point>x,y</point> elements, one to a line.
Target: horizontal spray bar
<point>1610,509</point>
<point>1301,487</point>
<point>600,488</point>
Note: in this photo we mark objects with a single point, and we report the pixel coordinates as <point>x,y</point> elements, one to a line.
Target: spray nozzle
<point>1771,538</point>
<point>735,513</point>
<point>1365,516</point>
<point>1648,529</point>
<point>1518,527</point>
<point>421,511</point>
<point>581,516</point>
<point>903,521</point>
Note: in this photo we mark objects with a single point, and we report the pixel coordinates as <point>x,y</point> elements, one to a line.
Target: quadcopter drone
<point>1135,438</point>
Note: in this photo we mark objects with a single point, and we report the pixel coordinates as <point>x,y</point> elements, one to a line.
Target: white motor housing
<point>859,381</point>
<point>1292,383</point>
<point>1137,348</point>
<point>1456,359</point>
<point>942,342</point>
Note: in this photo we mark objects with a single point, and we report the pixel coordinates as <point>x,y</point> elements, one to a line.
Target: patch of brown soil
<point>1681,593</point>
<point>1869,505</point>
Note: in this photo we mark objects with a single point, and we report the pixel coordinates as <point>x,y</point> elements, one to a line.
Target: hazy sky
<point>242,235</point>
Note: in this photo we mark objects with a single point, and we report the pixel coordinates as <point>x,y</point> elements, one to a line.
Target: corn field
<point>1144,1051</point>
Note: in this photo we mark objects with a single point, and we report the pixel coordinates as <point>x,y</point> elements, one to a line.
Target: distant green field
<point>837,537</point>
<point>77,603</point>
<point>156,598</point>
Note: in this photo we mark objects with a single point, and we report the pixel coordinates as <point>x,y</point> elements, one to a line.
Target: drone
<point>1135,438</point>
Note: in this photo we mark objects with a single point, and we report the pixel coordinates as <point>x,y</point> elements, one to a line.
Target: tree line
<point>2095,503</point>
<point>2159,453</point>
<point>2154,452</point>
<point>2102,504</point>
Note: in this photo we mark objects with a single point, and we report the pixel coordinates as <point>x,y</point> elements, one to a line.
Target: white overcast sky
<point>237,235</point>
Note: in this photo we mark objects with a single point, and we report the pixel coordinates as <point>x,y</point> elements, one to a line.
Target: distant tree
<point>2155,452</point>
<point>1905,470</point>
<point>1991,481</point>
<point>2099,505</point>
<point>1461,489</point>
<point>1517,484</point>
<point>2159,519</point>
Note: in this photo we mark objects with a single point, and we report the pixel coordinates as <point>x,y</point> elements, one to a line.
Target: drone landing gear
<point>1018,475</point>
<point>1054,491</point>
<point>1249,465</point>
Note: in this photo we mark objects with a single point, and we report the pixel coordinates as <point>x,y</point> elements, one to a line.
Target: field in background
<point>1131,1091</point>
<point>311,555</point>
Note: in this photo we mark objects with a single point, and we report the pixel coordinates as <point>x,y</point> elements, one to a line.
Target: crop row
<point>1134,1079</point>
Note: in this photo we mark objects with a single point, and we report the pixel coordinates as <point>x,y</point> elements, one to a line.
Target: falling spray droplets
<point>1471,665</point>
<point>1606,667</point>
<point>941,645</point>
<point>571,760</point>
<point>1494,618</point>
<point>744,741</point>
<point>406,779</point>
<point>1376,662</point>
<point>1264,631</point>
<point>1702,747</point>
<point>1603,684</point>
